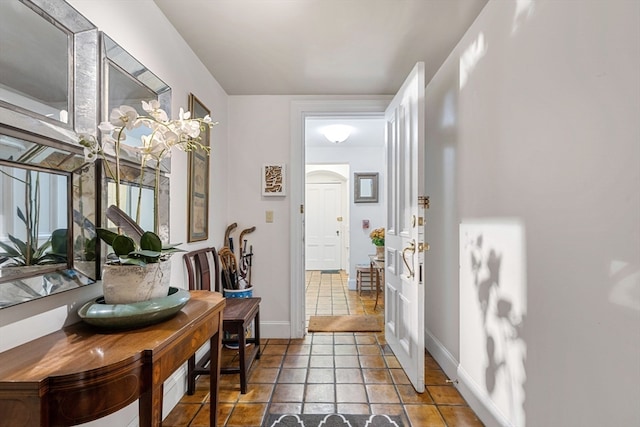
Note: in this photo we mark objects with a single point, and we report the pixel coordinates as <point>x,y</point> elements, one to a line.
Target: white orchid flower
<point>106,127</point>
<point>153,104</point>
<point>124,116</point>
<point>184,115</point>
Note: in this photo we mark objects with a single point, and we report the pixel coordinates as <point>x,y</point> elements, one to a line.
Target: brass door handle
<point>410,248</point>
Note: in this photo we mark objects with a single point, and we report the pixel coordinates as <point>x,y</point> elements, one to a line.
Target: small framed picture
<point>198,182</point>
<point>273,180</point>
<point>365,187</point>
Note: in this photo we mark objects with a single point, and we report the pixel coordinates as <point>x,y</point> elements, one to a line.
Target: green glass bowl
<point>134,315</point>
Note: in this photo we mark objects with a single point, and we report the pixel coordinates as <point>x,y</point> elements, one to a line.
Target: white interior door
<point>404,287</point>
<point>323,228</point>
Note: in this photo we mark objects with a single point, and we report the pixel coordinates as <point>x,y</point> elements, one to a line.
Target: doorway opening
<point>336,230</point>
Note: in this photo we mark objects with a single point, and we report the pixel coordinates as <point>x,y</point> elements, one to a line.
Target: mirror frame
<point>358,195</point>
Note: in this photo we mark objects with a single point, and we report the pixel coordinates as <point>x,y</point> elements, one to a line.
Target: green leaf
<point>150,241</point>
<point>133,261</point>
<point>122,245</point>
<point>20,245</point>
<point>107,236</point>
<point>11,252</point>
<point>21,215</point>
<point>171,250</point>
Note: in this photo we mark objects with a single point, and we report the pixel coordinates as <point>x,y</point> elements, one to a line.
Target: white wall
<point>534,119</point>
<point>156,44</point>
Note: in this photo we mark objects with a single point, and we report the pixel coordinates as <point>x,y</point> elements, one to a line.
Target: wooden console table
<point>81,373</point>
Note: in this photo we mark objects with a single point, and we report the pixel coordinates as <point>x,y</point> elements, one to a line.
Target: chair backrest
<point>199,271</point>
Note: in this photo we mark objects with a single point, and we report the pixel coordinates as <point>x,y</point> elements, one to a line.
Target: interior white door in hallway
<point>323,227</point>
<point>404,239</point>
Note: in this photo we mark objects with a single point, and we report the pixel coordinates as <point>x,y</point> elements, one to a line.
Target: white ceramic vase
<point>126,284</point>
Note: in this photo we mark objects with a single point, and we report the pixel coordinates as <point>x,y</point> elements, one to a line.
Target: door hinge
<point>301,209</point>
<point>423,202</point>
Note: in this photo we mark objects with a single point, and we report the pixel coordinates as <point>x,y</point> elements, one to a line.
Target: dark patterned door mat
<point>332,420</point>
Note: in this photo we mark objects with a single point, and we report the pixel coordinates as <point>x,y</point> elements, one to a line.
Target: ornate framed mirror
<point>48,193</point>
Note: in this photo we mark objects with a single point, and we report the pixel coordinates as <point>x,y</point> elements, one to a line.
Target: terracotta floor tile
<point>351,393</point>
<point>353,408</point>
<point>320,393</point>
<point>296,361</point>
<point>202,418</point>
<point>285,408</point>
<point>408,395</point>
<point>326,349</point>
<point>445,395</point>
<point>387,408</point>
<point>399,377</point>
<point>182,414</point>
<point>365,339</point>
<point>369,349</point>
<point>257,393</point>
<point>288,393</point>
<point>274,349</point>
<point>263,375</point>
<point>292,375</point>
<point>228,395</point>
<point>319,408</point>
<point>376,376</point>
<point>344,339</point>
<point>321,361</point>
<point>382,393</point>
<point>347,361</point>
<point>424,415</point>
<point>430,363</point>
<point>459,416</point>
<point>269,361</point>
<point>299,349</point>
<point>199,396</point>
<point>392,361</point>
<point>278,341</point>
<point>321,375</point>
<point>247,415</point>
<point>372,362</point>
<point>435,377</point>
<point>348,375</point>
<point>346,349</point>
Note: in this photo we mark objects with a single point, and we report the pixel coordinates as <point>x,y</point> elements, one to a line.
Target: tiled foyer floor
<point>328,372</point>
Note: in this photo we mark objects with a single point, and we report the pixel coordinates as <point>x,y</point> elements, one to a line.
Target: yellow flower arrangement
<point>377,236</point>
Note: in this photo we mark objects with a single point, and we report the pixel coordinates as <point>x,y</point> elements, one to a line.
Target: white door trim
<point>299,111</point>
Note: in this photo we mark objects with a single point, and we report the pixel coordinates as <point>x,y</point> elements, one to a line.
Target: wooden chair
<point>203,269</point>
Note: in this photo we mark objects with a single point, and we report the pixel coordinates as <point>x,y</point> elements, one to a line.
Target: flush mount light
<point>337,133</point>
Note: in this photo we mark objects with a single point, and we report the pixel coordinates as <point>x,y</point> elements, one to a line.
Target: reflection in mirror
<point>37,251</point>
<point>27,42</point>
<point>129,191</point>
<point>127,82</point>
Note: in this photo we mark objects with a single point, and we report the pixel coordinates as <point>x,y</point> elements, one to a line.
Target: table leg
<point>150,406</point>
<point>214,376</point>
<point>377,287</point>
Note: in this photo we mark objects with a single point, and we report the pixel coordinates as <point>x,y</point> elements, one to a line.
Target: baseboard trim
<point>275,329</point>
<point>479,401</point>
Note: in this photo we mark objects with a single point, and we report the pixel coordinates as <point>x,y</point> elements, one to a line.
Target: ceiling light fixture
<point>337,133</point>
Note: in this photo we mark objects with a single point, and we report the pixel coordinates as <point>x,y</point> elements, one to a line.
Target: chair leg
<point>191,377</point>
<point>243,361</point>
<point>256,326</point>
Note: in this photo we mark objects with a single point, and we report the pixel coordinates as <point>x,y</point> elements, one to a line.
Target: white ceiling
<point>332,47</point>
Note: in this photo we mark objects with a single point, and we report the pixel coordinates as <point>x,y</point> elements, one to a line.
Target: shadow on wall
<point>493,311</point>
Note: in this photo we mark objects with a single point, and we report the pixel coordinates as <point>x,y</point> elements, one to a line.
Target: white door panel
<point>323,230</point>
<point>404,296</point>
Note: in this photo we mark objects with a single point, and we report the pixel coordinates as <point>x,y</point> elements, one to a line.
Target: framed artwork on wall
<point>198,180</point>
<point>365,187</point>
<point>273,180</point>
